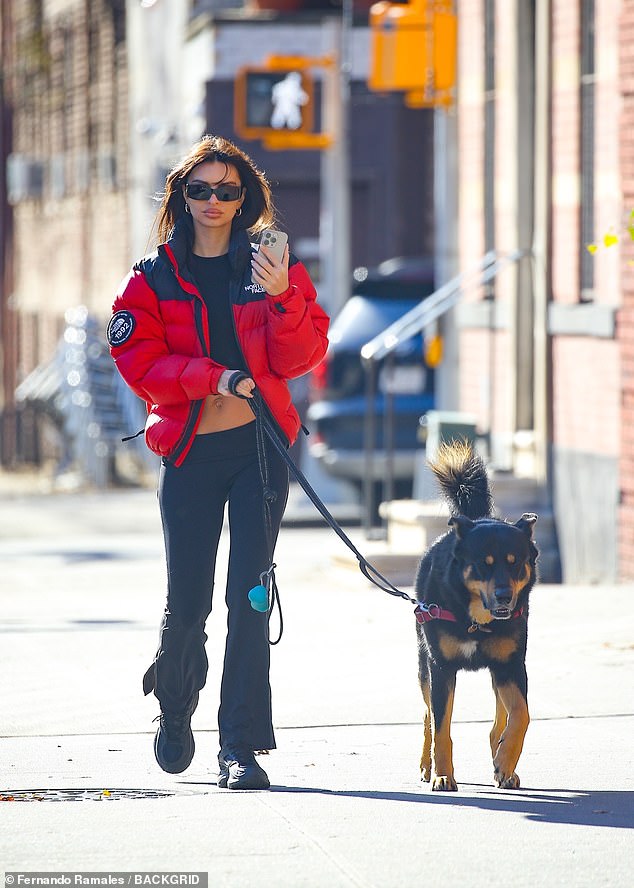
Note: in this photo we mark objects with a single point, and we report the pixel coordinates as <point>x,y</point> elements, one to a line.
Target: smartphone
<point>275,241</point>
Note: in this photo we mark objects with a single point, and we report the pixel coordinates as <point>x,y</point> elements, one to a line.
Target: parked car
<point>337,410</point>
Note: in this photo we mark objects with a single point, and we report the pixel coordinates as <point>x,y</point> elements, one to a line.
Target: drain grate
<point>85,795</point>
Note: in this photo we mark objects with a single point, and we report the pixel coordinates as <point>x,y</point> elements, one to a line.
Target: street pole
<point>334,221</point>
<point>446,246</point>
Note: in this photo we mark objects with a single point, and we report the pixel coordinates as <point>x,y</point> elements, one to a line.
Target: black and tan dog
<point>472,591</point>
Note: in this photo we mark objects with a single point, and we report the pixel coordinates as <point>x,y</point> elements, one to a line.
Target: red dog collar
<point>425,613</point>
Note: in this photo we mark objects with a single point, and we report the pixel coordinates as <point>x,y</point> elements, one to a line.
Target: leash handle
<point>234,381</point>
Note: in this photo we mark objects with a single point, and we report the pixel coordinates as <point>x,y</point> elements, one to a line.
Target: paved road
<point>81,595</point>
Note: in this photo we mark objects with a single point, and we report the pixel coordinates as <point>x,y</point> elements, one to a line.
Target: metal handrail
<point>413,322</point>
<point>437,304</point>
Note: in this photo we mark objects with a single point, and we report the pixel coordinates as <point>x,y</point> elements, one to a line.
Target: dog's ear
<point>526,523</point>
<point>461,525</point>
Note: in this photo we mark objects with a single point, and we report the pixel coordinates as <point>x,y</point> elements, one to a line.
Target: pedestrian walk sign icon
<point>272,101</point>
<point>288,98</point>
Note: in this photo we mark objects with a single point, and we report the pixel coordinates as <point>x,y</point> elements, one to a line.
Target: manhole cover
<point>84,795</point>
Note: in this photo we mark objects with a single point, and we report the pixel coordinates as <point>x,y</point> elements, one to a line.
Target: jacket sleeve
<point>297,331</point>
<point>139,348</point>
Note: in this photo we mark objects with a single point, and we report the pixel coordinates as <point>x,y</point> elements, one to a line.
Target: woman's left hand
<point>243,389</point>
<point>268,272</point>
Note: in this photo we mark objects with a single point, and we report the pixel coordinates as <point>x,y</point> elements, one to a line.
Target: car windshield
<point>362,319</point>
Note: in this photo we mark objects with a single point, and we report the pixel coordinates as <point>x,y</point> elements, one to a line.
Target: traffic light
<point>414,49</point>
<point>273,101</point>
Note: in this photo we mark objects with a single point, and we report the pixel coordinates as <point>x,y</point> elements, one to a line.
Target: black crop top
<point>212,275</point>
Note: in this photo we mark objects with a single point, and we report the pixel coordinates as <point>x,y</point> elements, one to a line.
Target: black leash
<point>269,495</point>
<point>262,419</point>
<point>265,596</point>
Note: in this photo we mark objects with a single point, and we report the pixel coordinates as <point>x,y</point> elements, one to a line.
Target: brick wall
<point>586,368</point>
<point>626,315</point>
<point>472,386</point>
<point>608,192</point>
<point>486,369</point>
<point>471,132</point>
<point>586,395</point>
<point>592,375</point>
<point>565,150</point>
<point>585,402</point>
<point>71,116</point>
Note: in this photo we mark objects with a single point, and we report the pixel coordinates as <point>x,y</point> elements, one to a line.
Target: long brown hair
<point>258,210</point>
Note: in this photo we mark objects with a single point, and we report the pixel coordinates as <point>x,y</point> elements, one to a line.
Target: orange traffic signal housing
<point>414,49</point>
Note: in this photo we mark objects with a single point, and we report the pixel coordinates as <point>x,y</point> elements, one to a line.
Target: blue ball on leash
<point>259,598</point>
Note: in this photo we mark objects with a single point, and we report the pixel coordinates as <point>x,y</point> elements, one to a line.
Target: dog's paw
<point>425,775</point>
<point>444,784</point>
<point>506,781</point>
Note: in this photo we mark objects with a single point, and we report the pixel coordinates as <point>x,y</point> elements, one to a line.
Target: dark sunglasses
<point>202,191</point>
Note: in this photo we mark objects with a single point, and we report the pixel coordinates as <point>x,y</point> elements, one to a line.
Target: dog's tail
<point>463,479</point>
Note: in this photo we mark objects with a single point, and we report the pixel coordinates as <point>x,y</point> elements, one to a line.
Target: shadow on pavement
<point>614,809</point>
<point>569,806</point>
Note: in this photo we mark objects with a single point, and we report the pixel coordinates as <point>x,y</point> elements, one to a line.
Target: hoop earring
<point>238,212</point>
<point>187,209</point>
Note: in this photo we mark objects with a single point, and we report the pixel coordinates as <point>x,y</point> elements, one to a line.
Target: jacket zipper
<point>232,288</point>
<point>196,407</point>
<point>232,302</point>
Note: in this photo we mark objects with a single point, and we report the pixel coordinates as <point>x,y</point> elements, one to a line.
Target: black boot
<point>238,769</point>
<point>174,741</point>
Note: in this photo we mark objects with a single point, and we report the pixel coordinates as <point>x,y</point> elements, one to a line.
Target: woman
<point>203,329</point>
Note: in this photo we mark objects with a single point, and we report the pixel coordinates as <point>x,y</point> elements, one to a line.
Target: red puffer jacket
<point>159,339</point>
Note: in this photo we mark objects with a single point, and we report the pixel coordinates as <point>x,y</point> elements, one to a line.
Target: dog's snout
<point>503,595</point>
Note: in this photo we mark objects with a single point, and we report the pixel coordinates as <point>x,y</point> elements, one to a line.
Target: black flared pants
<point>220,468</point>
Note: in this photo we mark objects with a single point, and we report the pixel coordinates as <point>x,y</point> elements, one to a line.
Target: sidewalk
<point>80,600</point>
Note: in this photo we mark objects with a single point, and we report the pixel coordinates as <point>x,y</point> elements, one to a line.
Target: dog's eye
<point>510,559</point>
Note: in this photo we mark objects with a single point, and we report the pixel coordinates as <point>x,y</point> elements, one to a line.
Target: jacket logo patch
<point>120,328</point>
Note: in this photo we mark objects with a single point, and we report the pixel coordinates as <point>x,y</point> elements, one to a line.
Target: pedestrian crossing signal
<point>273,103</point>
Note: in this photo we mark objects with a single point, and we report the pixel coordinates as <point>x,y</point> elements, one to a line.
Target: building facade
<point>65,161</point>
<point>625,327</point>
<point>545,350</point>
<point>101,97</point>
